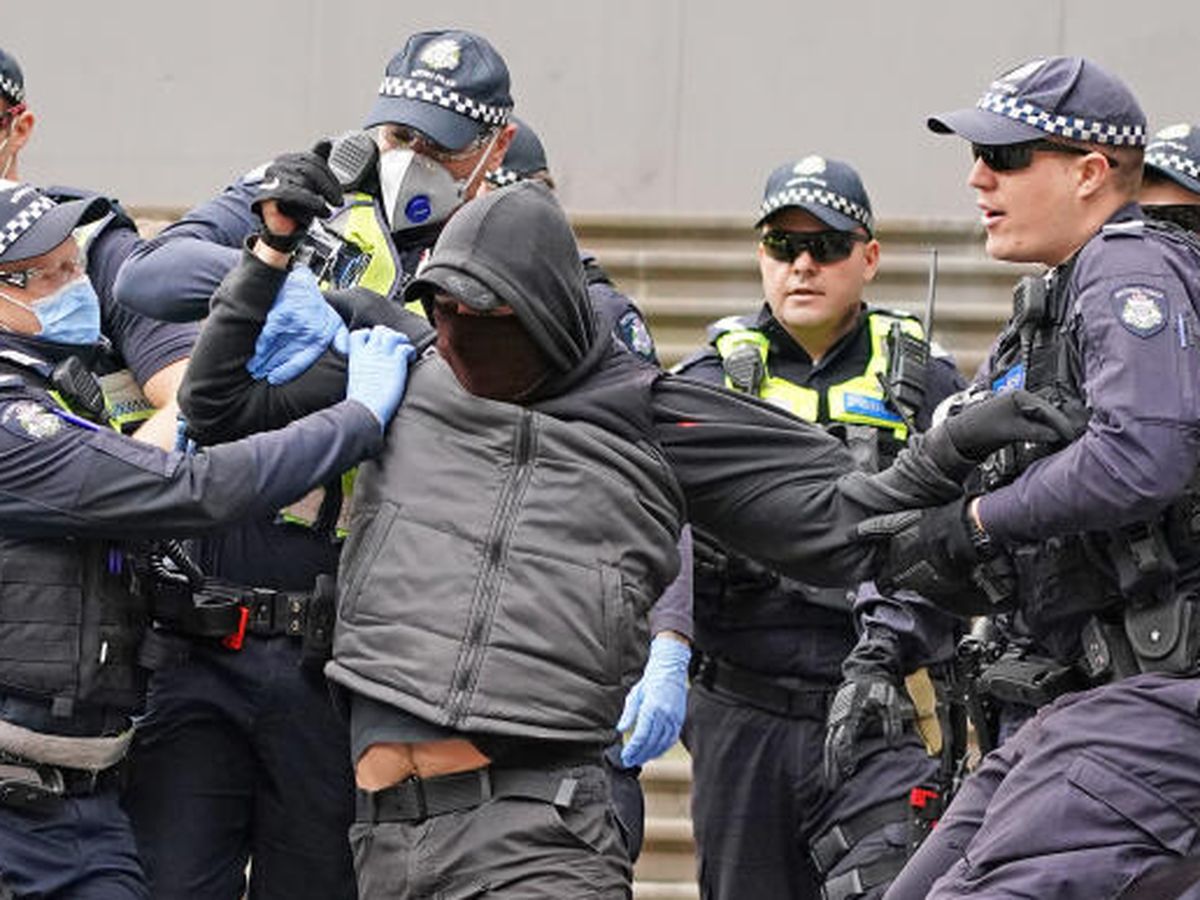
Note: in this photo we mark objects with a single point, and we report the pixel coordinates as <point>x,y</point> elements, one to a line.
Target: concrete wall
<point>646,106</point>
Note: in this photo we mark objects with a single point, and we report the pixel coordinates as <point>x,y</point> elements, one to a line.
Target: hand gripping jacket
<point>504,588</point>
<point>1106,601</point>
<point>70,628</point>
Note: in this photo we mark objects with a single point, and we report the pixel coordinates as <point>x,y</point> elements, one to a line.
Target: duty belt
<point>35,787</point>
<point>229,612</point>
<point>416,799</point>
<point>778,695</point>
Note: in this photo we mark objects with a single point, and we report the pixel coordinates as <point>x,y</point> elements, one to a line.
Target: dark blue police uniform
<point>73,495</point>
<point>1099,790</point>
<point>772,654</point>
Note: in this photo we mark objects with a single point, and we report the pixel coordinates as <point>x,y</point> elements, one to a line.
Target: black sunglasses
<point>1012,157</point>
<point>823,246</point>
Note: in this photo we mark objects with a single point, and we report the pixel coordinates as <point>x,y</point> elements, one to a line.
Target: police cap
<point>32,224</point>
<point>449,85</point>
<point>825,188</point>
<point>1060,96</point>
<point>1174,153</point>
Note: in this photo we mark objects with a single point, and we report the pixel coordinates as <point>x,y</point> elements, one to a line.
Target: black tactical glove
<point>933,552</point>
<point>304,187</point>
<point>983,426</point>
<point>867,704</point>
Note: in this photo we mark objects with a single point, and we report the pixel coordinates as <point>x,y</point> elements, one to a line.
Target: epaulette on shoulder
<point>1135,228</point>
<point>696,356</point>
<point>726,324</point>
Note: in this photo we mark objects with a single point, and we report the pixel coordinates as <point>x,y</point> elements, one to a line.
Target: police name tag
<point>1141,310</point>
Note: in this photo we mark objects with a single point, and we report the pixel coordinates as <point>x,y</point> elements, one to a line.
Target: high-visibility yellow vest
<point>859,400</point>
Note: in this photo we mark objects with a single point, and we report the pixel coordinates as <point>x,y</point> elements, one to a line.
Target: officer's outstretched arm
<point>60,475</point>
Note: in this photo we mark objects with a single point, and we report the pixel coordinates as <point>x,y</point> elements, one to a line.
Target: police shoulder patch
<point>32,420</point>
<point>1140,309</point>
<point>636,336</point>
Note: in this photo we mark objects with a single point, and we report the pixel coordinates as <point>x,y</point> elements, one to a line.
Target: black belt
<point>771,694</point>
<point>416,799</point>
<point>230,611</point>
<point>29,785</point>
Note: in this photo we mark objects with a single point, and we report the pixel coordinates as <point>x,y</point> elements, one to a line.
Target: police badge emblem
<point>810,165</point>
<point>32,420</point>
<point>441,55</point>
<point>1140,309</point>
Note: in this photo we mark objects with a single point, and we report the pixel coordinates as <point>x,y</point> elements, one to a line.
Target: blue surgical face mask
<point>71,315</point>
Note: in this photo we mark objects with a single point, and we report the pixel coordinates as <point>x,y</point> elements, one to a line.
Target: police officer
<point>1171,176</point>
<point>143,373</point>
<point>772,647</point>
<point>15,118</point>
<point>1088,550</point>
<point>439,122</point>
<point>73,494</point>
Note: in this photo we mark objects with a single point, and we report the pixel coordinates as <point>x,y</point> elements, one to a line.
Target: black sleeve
<point>219,398</point>
<point>761,481</point>
<point>62,475</point>
<point>778,489</point>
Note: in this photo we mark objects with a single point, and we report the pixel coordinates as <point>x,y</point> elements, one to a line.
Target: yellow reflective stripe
<point>860,400</point>
<point>58,398</point>
<point>359,223</point>
<point>799,401</point>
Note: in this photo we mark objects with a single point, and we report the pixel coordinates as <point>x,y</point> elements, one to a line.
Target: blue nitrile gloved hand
<point>299,327</point>
<point>657,703</point>
<point>378,370</point>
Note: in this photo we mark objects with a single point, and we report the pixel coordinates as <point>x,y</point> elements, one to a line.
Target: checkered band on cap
<point>10,88</point>
<point>23,221</point>
<point>416,89</point>
<point>797,195</point>
<point>503,177</point>
<point>1173,161</point>
<point>1073,127</point>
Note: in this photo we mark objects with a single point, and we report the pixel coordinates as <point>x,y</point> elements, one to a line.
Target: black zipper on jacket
<point>496,550</point>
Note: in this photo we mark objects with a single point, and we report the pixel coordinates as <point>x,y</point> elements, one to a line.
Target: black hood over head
<point>517,242</point>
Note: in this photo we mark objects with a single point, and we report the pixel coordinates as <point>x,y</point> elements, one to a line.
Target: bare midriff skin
<point>384,764</point>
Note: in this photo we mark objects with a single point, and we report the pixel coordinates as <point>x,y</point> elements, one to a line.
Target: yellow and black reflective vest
<point>858,400</point>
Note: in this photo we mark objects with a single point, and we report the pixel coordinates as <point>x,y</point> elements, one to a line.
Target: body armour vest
<point>1064,581</point>
<point>69,627</point>
<point>748,613</point>
<point>500,566</point>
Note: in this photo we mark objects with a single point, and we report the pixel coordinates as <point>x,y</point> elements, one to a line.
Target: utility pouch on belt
<point>1107,653</point>
<point>1165,636</point>
<point>317,645</point>
<point>1031,681</point>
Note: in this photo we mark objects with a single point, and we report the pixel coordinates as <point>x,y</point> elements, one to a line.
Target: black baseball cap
<point>12,80</point>
<point>1060,96</point>
<point>825,188</point>
<point>449,85</point>
<point>32,224</point>
<point>525,156</point>
<point>1174,153</point>
<point>444,279</point>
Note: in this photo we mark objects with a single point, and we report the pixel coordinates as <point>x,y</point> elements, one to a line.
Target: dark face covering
<point>1185,215</point>
<point>492,356</point>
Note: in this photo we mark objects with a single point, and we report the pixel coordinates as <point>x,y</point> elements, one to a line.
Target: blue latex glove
<point>299,327</point>
<point>657,703</point>
<point>378,370</point>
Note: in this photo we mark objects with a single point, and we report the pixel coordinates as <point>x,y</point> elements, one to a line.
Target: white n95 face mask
<point>415,190</point>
